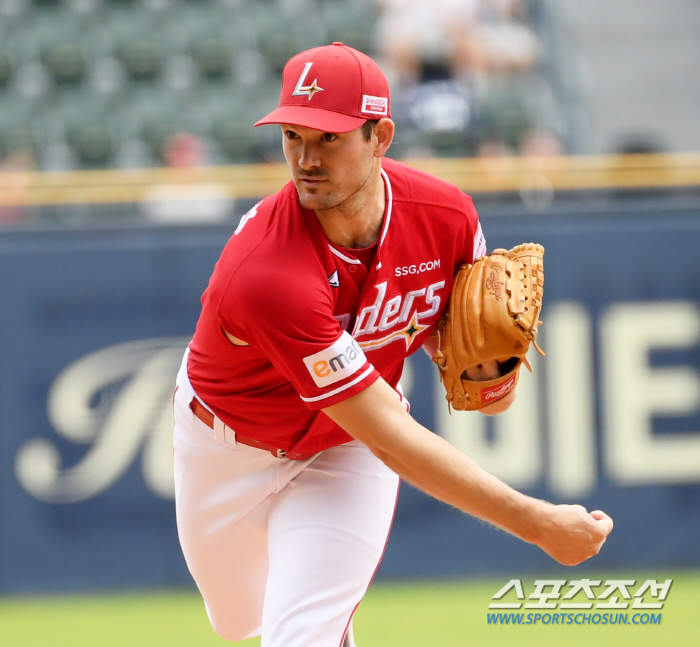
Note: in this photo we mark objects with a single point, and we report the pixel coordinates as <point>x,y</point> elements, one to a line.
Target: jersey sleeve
<point>291,322</point>
<point>474,241</point>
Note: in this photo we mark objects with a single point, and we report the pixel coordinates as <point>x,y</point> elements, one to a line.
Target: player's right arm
<point>376,417</point>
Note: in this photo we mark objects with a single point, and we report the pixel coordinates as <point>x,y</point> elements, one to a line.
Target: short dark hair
<point>368,128</point>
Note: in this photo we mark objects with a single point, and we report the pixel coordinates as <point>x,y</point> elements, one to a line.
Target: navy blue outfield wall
<point>92,328</point>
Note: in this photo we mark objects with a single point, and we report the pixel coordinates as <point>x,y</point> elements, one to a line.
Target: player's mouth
<point>311,182</point>
<point>315,174</point>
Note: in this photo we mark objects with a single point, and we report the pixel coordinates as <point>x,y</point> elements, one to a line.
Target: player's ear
<point>384,131</point>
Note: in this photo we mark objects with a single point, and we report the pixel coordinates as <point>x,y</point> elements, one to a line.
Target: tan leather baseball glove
<point>493,315</point>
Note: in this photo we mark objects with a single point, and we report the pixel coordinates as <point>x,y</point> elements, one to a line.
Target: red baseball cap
<point>334,88</point>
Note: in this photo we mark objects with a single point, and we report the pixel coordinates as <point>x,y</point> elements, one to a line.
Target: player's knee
<point>232,633</point>
<point>231,628</point>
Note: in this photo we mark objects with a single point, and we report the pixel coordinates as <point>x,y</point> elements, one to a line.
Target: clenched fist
<point>570,534</point>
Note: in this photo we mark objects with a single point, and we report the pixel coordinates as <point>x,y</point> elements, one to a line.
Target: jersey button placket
<point>359,274</point>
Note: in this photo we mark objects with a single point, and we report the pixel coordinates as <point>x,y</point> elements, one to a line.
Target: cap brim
<point>316,118</point>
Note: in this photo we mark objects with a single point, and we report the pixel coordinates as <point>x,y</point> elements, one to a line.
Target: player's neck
<point>357,222</point>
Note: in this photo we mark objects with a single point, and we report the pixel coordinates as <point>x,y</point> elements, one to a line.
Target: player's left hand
<point>491,371</point>
<point>484,372</point>
<point>570,534</point>
<point>492,314</point>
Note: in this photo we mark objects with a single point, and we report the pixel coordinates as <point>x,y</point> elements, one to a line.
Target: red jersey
<point>321,326</point>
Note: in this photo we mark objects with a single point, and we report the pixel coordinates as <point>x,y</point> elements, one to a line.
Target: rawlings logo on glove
<point>492,316</point>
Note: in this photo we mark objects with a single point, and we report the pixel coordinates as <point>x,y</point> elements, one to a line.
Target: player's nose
<point>309,157</point>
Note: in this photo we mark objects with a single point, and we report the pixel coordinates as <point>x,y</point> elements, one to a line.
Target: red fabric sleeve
<point>289,318</point>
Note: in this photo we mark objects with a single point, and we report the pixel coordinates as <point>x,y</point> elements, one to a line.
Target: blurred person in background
<point>189,198</point>
<point>15,168</point>
<point>412,34</point>
<point>183,150</point>
<point>431,50</point>
<point>458,67</point>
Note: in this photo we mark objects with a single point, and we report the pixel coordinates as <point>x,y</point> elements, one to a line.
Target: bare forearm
<point>437,468</point>
<point>431,464</point>
<point>568,533</point>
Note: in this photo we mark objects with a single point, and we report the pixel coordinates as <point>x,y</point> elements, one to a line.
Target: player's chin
<point>316,199</point>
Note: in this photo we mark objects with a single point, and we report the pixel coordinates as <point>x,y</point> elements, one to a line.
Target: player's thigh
<point>222,502</point>
<point>327,532</point>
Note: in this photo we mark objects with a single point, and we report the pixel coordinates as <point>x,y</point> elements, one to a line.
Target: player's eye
<point>290,134</point>
<point>329,137</point>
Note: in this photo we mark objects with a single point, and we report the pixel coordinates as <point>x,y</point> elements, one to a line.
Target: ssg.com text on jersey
<point>417,269</point>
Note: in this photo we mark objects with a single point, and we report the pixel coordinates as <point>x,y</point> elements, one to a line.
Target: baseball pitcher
<point>291,429</point>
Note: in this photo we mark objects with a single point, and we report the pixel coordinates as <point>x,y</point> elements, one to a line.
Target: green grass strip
<point>431,614</point>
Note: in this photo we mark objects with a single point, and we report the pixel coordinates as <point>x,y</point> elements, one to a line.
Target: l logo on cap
<point>300,90</point>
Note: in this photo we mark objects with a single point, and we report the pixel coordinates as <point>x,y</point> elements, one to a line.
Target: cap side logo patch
<point>375,105</point>
<point>309,90</point>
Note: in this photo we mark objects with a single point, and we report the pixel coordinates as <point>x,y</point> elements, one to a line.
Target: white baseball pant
<point>277,547</point>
